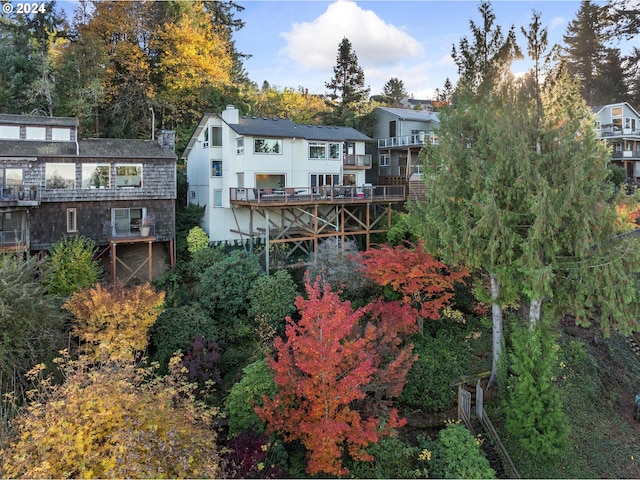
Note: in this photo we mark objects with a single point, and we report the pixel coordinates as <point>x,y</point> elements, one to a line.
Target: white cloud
<point>556,22</point>
<point>314,45</point>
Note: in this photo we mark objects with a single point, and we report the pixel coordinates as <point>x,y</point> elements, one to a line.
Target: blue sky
<point>295,43</point>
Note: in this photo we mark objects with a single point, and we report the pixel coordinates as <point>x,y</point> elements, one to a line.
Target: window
<point>126,221</point>
<point>71,220</point>
<point>11,178</point>
<point>13,228</point>
<point>60,175</point>
<point>216,136</point>
<point>192,194</point>
<point>617,124</point>
<point>205,141</point>
<point>128,176</point>
<point>334,151</point>
<point>616,111</point>
<point>95,175</point>
<point>240,179</point>
<point>384,160</point>
<point>217,198</point>
<point>216,168</point>
<point>317,150</point>
<point>267,145</point>
<point>240,146</point>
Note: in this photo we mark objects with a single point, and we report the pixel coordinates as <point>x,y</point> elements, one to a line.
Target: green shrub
<point>440,360</point>
<point>31,324</point>
<point>534,412</point>
<point>257,380</point>
<point>197,239</point>
<point>70,266</point>
<point>393,458</point>
<point>224,290</point>
<point>273,296</point>
<point>458,455</point>
<point>176,328</point>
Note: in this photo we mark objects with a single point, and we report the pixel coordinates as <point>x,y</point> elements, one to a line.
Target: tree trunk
<point>496,315</point>
<point>535,310</point>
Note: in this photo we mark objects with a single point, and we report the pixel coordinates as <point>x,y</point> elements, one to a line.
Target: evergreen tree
<point>466,212</point>
<point>393,92</point>
<point>347,86</point>
<point>586,52</point>
<point>534,414</point>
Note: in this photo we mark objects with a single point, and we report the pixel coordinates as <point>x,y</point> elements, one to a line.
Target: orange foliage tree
<point>114,322</point>
<point>324,371</point>
<point>424,282</point>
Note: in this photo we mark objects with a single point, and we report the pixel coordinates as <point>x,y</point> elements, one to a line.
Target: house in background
<point>277,181</point>
<point>400,134</point>
<point>54,184</point>
<point>618,125</point>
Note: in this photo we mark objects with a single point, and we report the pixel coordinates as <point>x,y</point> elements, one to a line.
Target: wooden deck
<point>338,195</point>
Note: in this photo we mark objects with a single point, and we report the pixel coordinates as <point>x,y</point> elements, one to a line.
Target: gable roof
<point>280,128</point>
<point>598,108</point>
<point>410,114</point>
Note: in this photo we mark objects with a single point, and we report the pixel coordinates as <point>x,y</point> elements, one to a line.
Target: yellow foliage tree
<point>112,423</point>
<point>191,58</point>
<point>114,322</point>
<point>297,106</point>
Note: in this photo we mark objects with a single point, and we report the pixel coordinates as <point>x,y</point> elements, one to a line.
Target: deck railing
<point>324,194</point>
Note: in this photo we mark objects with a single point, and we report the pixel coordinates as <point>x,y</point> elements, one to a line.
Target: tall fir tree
<point>393,92</point>
<point>466,212</point>
<point>347,88</point>
<point>588,55</point>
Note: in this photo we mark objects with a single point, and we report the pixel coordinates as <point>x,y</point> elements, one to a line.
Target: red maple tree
<point>324,370</point>
<point>424,282</point>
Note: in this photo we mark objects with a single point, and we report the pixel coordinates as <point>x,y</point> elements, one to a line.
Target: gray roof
<point>10,119</point>
<point>412,115</point>
<point>280,128</point>
<point>96,147</point>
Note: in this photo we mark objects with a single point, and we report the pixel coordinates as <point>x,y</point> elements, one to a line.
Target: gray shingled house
<point>54,184</point>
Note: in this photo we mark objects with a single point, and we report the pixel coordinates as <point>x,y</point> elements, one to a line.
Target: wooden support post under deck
<point>112,262</point>
<point>150,260</point>
<point>368,226</point>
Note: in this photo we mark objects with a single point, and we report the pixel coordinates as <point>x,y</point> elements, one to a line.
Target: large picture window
<point>267,145</point>
<point>60,175</point>
<point>128,176</point>
<point>317,150</point>
<point>95,175</point>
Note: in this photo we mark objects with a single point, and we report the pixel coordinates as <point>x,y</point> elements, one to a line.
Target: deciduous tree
<point>322,370</point>
<point>114,322</point>
<point>423,282</point>
<point>113,423</point>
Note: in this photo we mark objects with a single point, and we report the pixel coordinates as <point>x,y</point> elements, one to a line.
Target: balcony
<point>357,161</point>
<point>11,196</point>
<point>131,231</point>
<point>626,154</point>
<point>414,140</point>
<point>318,195</point>
<point>611,131</point>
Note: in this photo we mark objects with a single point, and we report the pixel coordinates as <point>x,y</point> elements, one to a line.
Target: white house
<point>238,165</point>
